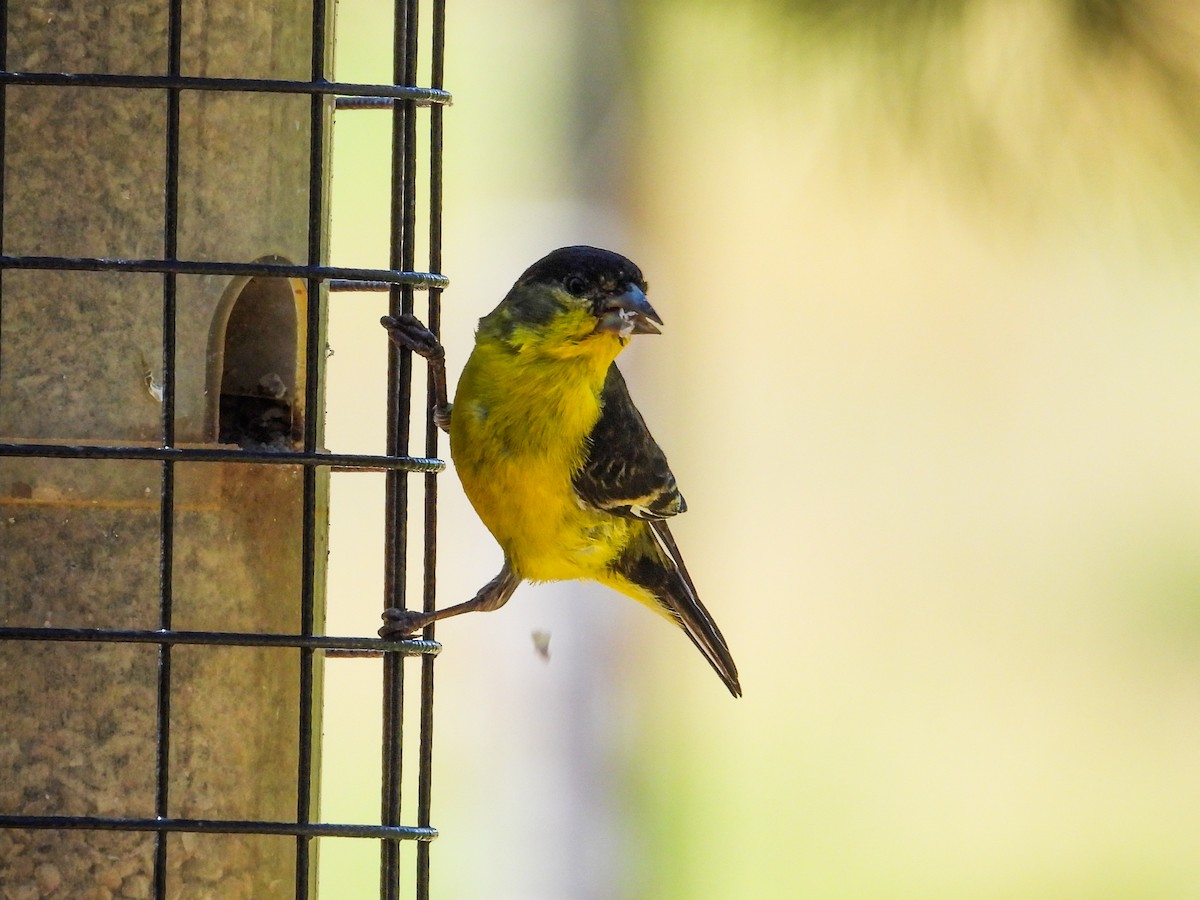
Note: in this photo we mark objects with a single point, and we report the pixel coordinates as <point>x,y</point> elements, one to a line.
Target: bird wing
<point>625,472</point>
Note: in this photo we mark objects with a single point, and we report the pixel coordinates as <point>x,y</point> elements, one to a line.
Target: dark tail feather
<point>674,588</point>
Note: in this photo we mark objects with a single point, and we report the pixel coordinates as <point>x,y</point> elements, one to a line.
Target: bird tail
<point>656,566</point>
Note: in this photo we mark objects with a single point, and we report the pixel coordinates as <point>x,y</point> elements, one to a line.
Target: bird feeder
<point>131,161</point>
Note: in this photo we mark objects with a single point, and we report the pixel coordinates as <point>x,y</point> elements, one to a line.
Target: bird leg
<point>408,333</point>
<point>493,595</point>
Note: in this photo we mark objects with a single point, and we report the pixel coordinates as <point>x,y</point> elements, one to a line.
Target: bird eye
<point>574,285</point>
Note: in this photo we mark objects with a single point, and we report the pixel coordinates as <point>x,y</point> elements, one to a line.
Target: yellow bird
<point>551,451</point>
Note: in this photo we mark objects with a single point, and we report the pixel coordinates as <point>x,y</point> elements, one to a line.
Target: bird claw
<point>409,333</point>
<point>400,623</point>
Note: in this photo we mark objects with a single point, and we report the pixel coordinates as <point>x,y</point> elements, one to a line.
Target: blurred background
<point>930,382</point>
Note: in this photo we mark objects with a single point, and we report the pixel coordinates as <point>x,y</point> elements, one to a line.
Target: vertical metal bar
<point>425,764</point>
<point>167,495</point>
<point>408,112</point>
<point>316,231</point>
<point>402,253</point>
<point>3,155</point>
<point>304,767</point>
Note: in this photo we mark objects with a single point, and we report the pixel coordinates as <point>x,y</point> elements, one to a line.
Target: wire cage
<point>164,288</point>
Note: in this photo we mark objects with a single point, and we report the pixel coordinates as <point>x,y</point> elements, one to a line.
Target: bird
<point>552,452</point>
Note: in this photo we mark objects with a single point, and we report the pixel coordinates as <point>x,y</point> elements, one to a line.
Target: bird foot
<point>400,623</point>
<point>409,333</point>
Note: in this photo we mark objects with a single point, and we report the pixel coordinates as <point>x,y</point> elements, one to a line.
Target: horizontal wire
<point>419,95</point>
<point>341,284</point>
<point>375,646</point>
<point>364,102</point>
<point>341,462</point>
<point>198,267</point>
<point>219,826</point>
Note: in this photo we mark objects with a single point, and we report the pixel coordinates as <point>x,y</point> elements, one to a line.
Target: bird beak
<point>628,313</point>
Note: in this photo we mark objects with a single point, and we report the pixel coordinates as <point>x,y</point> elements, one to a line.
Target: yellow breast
<point>517,437</point>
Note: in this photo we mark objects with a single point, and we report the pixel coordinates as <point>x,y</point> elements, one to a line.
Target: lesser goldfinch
<point>553,454</point>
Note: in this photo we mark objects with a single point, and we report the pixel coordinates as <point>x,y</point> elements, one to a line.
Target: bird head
<point>576,297</point>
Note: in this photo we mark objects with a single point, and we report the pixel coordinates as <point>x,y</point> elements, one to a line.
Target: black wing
<point>626,473</point>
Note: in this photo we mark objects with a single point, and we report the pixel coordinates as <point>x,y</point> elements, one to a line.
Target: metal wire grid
<point>403,98</point>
